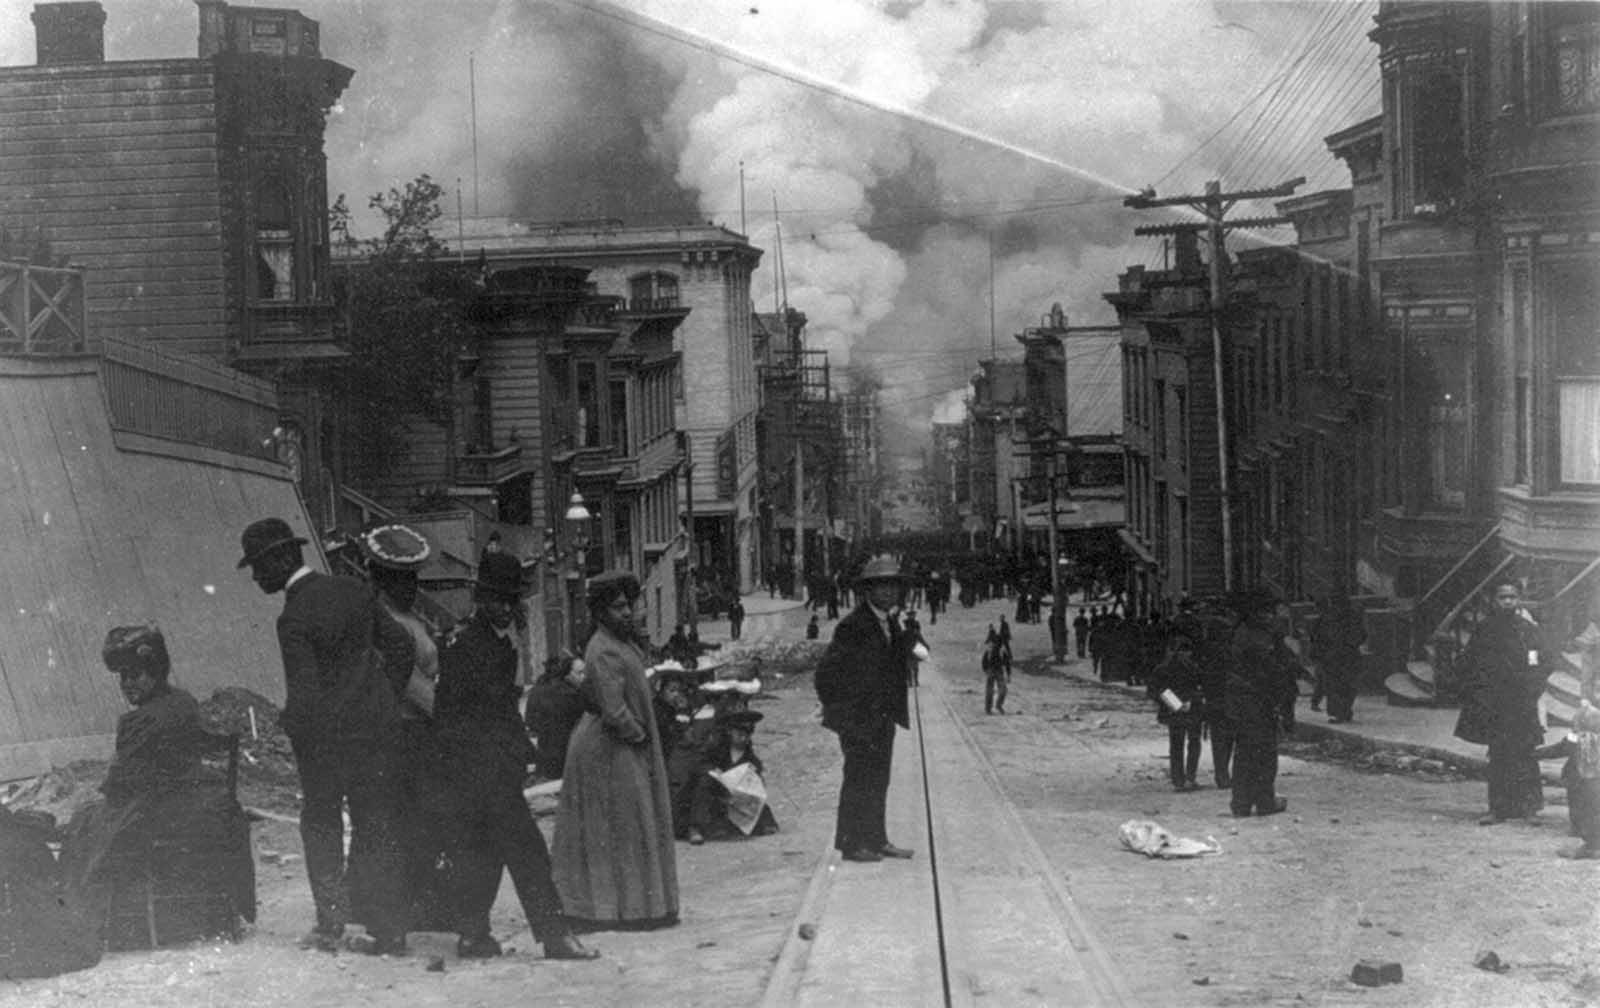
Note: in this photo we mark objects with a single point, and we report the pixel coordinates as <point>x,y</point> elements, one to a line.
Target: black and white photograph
<point>864,503</point>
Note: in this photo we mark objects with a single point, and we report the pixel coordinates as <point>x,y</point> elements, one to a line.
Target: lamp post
<point>577,519</point>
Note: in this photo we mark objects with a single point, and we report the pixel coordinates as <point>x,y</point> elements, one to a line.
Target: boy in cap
<point>342,716</point>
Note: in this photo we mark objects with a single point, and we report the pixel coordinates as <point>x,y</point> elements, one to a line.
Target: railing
<point>653,304</point>
<point>160,394</point>
<point>1429,617</point>
<point>42,309</point>
<point>488,468</point>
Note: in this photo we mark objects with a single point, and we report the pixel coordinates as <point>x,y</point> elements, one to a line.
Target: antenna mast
<point>472,84</point>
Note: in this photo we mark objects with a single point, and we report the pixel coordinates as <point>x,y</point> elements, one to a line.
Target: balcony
<point>290,330</point>
<point>41,309</point>
<point>488,468</point>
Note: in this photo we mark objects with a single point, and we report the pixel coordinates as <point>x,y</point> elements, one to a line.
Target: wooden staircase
<point>1437,621</point>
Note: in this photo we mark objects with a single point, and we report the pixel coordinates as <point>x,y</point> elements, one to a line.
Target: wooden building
<point>195,189</point>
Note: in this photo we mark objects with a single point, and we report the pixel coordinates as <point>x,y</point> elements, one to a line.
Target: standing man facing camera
<point>861,682</point>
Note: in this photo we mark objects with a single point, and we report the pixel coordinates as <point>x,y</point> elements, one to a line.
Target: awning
<point>1079,513</point>
<point>1143,555</point>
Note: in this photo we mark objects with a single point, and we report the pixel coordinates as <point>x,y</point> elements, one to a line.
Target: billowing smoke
<point>1030,120</point>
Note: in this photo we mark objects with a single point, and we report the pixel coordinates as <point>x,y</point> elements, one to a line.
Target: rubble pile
<point>265,757</point>
<point>775,662</point>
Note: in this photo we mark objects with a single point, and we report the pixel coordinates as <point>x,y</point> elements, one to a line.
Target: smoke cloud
<point>1032,120</point>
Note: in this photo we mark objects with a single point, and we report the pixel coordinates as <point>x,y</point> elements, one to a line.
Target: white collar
<point>302,572</point>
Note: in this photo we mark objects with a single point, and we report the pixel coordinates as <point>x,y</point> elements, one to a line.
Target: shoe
<point>1490,820</point>
<point>889,850</point>
<point>565,945</point>
<point>372,945</point>
<point>862,854</point>
<point>1280,805</point>
<point>321,940</point>
<point>1581,854</point>
<point>1191,784</point>
<point>478,947</point>
<point>696,838</point>
<point>1240,815</point>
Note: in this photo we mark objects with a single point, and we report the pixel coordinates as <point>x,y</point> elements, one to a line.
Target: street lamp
<point>577,518</point>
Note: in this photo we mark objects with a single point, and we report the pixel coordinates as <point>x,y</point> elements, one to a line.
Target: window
<point>588,404</point>
<point>1574,41</point>
<point>647,291</point>
<point>274,246</point>
<point>1574,294</point>
<point>1522,377</point>
<point>1181,406</point>
<point>1158,432</point>
<point>619,415</point>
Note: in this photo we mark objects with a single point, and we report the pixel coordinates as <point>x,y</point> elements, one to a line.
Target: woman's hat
<point>394,547</point>
<point>500,576</point>
<point>139,646</point>
<point>264,536</point>
<point>745,719</point>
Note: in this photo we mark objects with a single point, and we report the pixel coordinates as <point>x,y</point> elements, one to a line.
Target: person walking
<point>861,682</point>
<point>1211,655</point>
<point>1505,675</point>
<point>1261,692</point>
<point>344,661</point>
<point>484,756</point>
<point>735,618</point>
<point>996,674</point>
<point>1080,633</point>
<point>615,862</point>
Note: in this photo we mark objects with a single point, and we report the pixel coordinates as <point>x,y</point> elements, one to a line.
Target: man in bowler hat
<point>484,755</point>
<point>344,664</point>
<point>861,681</point>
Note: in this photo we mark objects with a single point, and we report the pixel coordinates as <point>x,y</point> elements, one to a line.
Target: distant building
<point>706,270</point>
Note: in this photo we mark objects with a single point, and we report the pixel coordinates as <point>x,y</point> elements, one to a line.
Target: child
<point>1178,679</point>
<point>1581,775</point>
<point>709,802</point>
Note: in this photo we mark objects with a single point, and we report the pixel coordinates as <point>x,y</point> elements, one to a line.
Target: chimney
<point>70,33</point>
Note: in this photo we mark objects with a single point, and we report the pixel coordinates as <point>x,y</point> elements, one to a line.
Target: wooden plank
<point>84,179</point>
<point>142,92</point>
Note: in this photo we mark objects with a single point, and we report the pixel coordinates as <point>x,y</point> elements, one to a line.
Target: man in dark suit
<point>484,755</point>
<point>344,663</point>
<point>861,681</point>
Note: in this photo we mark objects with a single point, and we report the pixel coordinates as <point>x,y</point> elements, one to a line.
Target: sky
<point>942,171</point>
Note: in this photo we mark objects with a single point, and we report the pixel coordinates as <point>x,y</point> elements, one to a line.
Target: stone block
<point>1375,972</point>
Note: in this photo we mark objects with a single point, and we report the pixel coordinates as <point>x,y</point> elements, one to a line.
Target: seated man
<point>155,792</point>
<point>716,809</point>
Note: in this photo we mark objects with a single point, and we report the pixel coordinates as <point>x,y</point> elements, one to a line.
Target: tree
<point>407,312</point>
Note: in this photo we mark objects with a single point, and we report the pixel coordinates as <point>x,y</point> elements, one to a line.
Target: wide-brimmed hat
<point>499,576</point>
<point>264,536</point>
<point>394,547</point>
<point>882,567</point>
<point>745,719</point>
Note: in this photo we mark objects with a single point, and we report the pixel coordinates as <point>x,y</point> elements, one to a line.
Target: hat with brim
<point>394,547</point>
<point>882,568</point>
<point>500,577</point>
<point>264,536</point>
<point>746,719</point>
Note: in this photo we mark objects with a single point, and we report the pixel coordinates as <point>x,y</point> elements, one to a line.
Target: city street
<point>1038,902</point>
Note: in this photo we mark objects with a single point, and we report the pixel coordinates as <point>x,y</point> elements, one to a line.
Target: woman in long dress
<point>613,852</point>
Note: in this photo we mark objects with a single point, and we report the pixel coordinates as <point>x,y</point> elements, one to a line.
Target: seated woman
<point>155,793</point>
<point>715,809</point>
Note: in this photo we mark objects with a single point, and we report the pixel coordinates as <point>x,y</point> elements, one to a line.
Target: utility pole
<point>1214,207</point>
<point>686,447</point>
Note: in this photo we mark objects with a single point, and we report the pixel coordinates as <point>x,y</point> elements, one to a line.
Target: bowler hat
<point>264,536</point>
<point>395,547</point>
<point>500,575</point>
<point>882,567</point>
